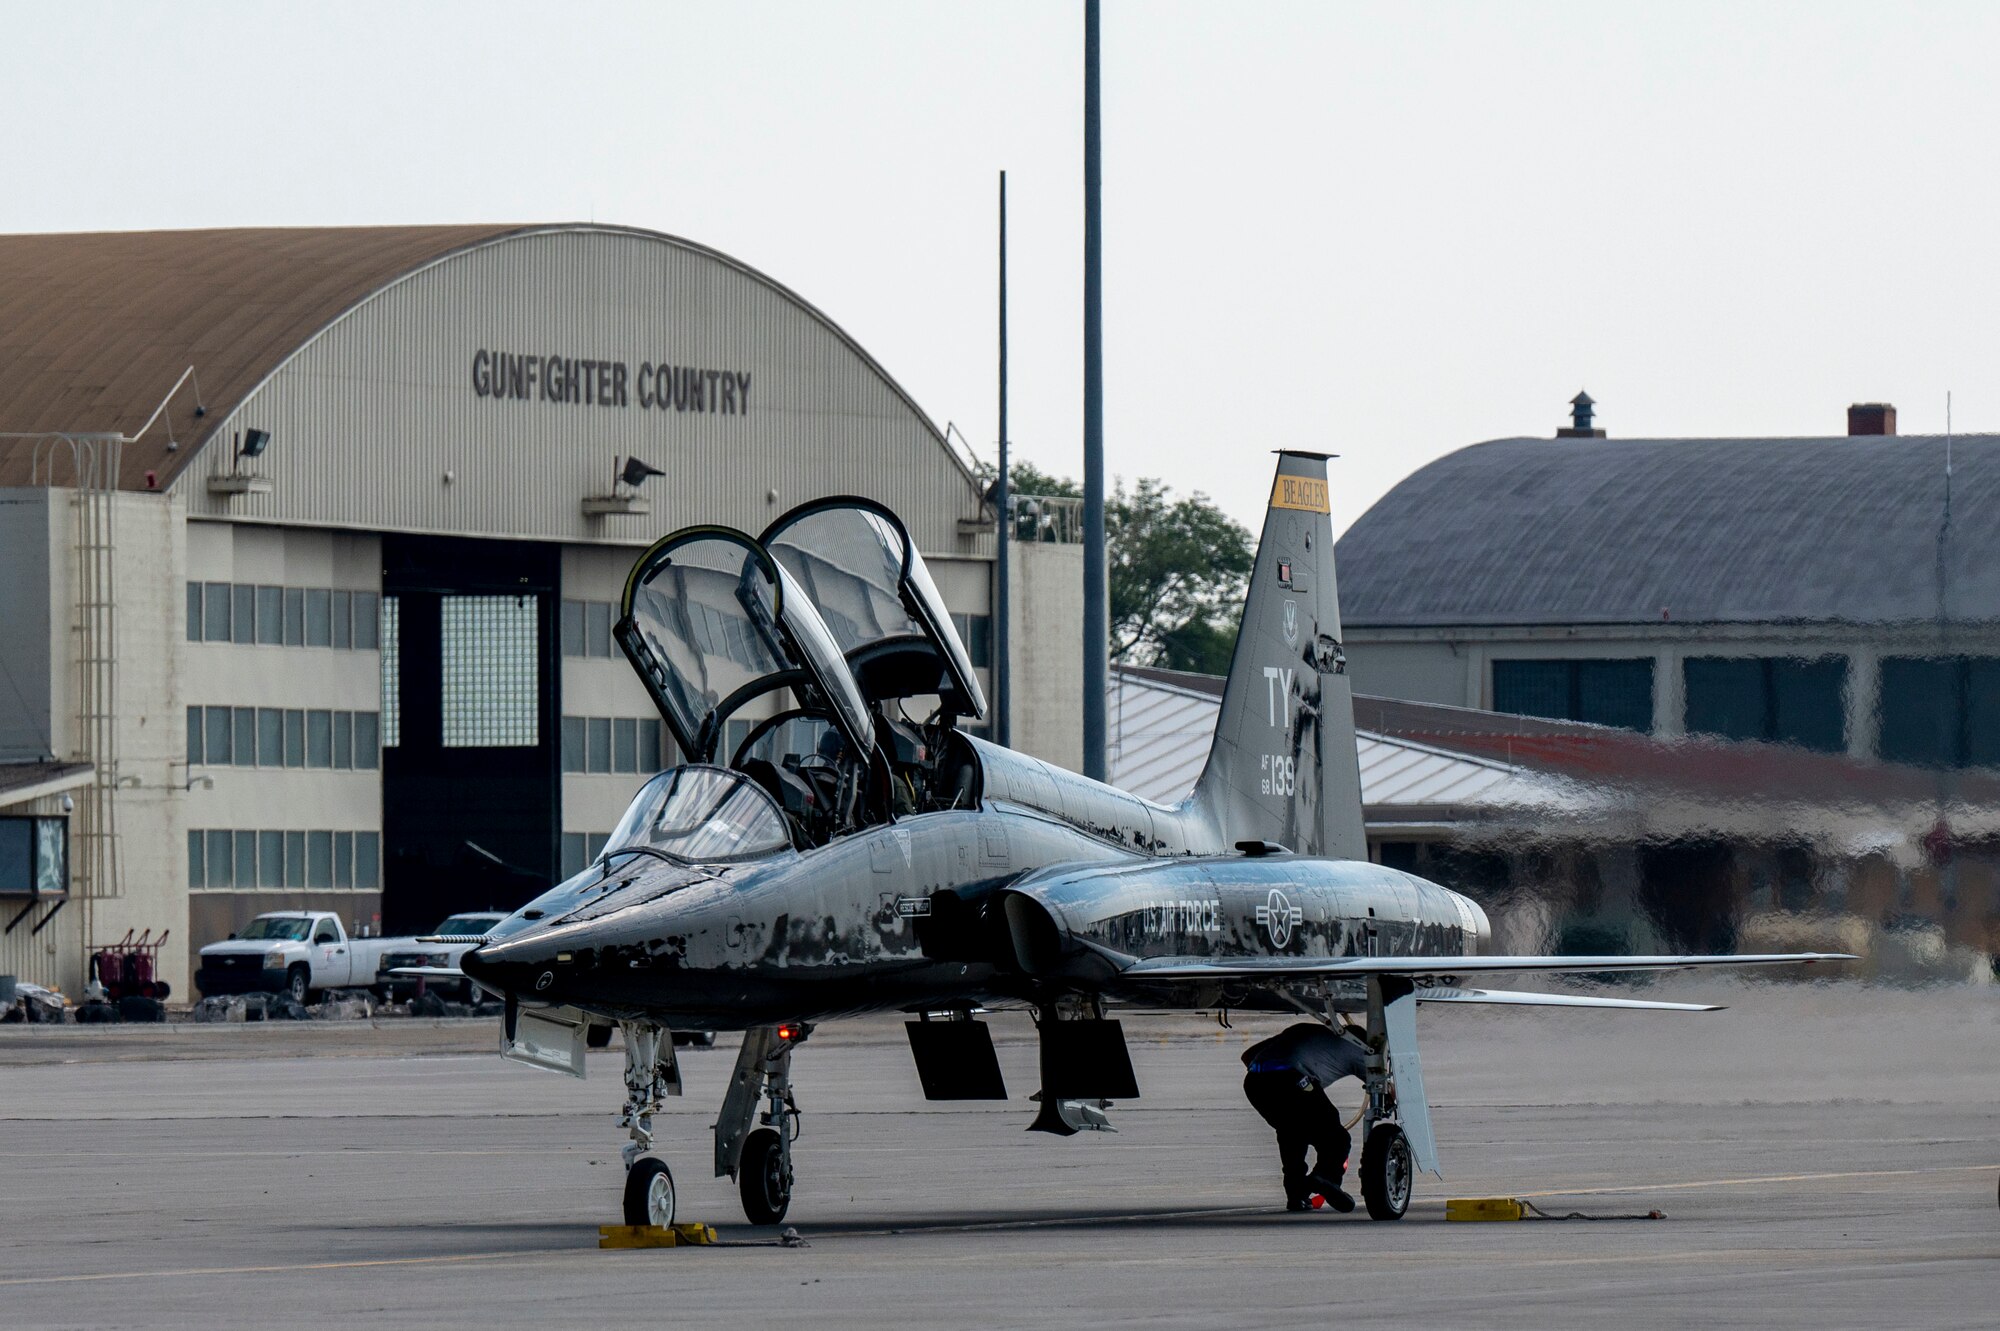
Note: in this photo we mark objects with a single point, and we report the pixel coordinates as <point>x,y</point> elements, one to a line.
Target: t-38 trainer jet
<point>856,850</point>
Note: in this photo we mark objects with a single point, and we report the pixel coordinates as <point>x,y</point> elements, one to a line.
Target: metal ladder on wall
<point>94,867</point>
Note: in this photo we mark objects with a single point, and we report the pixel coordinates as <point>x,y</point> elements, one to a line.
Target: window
<point>491,670</point>
<point>215,612</point>
<point>367,621</point>
<point>271,616</point>
<point>1604,692</point>
<point>392,673</point>
<point>295,859</point>
<point>1941,711</point>
<point>270,740</point>
<point>573,861</point>
<point>572,744</point>
<point>1780,699</point>
<point>343,620</point>
<point>343,740</point>
<point>367,741</point>
<point>319,743</point>
<point>319,617</point>
<point>976,632</point>
<point>572,627</point>
<point>734,732</point>
<point>319,859</point>
<point>194,736</point>
<point>343,859</point>
<point>624,745</point>
<point>243,621</point>
<point>221,855</point>
<point>197,860</point>
<point>246,859</point>
<point>295,738</point>
<point>270,859</point>
<point>295,617</point>
<point>593,845</point>
<point>597,627</point>
<point>243,743</point>
<point>368,860</point>
<point>194,612</point>
<point>216,731</point>
<point>597,753</point>
<point>651,759</point>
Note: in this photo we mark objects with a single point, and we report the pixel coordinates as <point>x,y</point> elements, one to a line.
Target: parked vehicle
<point>297,952</point>
<point>436,955</point>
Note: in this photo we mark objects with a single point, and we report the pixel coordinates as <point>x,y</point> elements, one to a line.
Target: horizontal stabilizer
<point>1249,968</point>
<point>1525,998</point>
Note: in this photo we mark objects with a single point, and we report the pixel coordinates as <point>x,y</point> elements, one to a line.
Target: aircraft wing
<point>1265,968</point>
<point>1527,998</point>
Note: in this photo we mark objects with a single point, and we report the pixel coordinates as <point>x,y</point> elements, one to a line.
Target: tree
<point>1178,571</point>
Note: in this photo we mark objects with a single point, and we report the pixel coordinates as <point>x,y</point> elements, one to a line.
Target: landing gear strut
<point>651,1073</point>
<point>1388,1170</point>
<point>761,1161</point>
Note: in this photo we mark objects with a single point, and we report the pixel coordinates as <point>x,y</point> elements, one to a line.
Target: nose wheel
<point>649,1192</point>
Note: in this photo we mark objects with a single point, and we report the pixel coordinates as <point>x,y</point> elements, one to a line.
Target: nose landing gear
<point>651,1073</point>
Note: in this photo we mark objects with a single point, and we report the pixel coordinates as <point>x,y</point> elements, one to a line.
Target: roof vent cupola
<point>1580,416</point>
<point>1871,418</point>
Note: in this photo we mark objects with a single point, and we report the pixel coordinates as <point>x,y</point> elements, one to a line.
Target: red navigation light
<point>788,1033</point>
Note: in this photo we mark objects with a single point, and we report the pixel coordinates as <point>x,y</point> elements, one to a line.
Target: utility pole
<point>1002,731</point>
<point>1096,586</point>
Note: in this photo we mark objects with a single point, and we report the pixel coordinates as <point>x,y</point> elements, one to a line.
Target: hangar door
<point>471,738</point>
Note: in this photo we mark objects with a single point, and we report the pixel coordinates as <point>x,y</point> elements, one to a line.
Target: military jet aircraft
<point>857,850</point>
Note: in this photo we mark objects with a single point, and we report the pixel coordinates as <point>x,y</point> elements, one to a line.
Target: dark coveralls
<point>1287,1084</point>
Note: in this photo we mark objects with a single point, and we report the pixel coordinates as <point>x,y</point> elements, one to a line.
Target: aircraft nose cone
<point>514,966</point>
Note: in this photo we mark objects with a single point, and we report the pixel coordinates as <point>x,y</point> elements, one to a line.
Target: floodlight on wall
<point>624,501</point>
<point>249,444</point>
<point>636,472</point>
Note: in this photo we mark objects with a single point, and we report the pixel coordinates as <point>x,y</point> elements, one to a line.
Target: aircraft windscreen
<point>706,613</point>
<point>702,814</point>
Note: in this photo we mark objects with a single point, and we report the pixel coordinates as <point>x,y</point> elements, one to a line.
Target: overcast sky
<point>1384,231</point>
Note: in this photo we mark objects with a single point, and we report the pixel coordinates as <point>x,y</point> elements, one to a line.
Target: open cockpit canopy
<point>856,561</point>
<point>711,621</point>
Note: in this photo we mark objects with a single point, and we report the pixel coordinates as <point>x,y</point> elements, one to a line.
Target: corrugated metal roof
<point>96,327</point>
<point>1631,531</point>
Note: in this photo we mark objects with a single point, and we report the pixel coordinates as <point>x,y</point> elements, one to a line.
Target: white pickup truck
<point>296,952</point>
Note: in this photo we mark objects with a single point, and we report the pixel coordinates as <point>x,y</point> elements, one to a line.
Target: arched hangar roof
<point>1631,531</point>
<point>96,327</point>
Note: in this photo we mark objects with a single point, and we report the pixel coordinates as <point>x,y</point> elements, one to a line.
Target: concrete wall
<point>1045,585</point>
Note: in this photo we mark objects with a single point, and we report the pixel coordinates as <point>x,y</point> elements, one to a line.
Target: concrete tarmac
<point>1825,1156</point>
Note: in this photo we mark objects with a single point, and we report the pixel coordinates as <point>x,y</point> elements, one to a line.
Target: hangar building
<point>1834,594</point>
<point>313,540</point>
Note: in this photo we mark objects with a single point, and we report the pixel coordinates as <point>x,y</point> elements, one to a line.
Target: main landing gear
<point>1388,1160</point>
<point>760,1160</point>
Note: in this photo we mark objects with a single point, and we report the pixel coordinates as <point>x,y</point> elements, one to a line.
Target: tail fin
<point>1283,767</point>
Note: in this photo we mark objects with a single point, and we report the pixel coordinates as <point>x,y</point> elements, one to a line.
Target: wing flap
<point>1244,968</point>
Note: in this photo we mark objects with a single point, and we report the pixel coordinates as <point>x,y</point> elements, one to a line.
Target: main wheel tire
<point>764,1179</point>
<point>649,1192</point>
<point>1387,1172</point>
<point>298,983</point>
